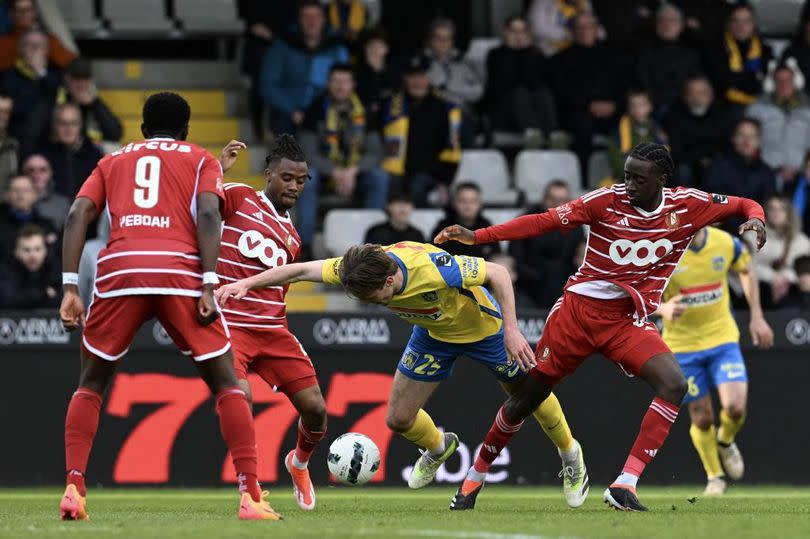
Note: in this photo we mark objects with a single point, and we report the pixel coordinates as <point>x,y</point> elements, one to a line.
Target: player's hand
<point>72,309</point>
<point>518,350</point>
<point>761,332</point>
<point>759,229</point>
<point>233,290</point>
<point>207,307</point>
<point>672,309</point>
<point>456,233</point>
<point>229,154</point>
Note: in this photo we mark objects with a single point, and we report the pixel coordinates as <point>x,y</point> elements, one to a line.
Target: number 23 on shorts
<point>427,365</point>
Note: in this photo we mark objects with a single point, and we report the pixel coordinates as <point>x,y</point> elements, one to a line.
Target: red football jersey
<point>630,252</point>
<point>149,190</point>
<point>255,237</point>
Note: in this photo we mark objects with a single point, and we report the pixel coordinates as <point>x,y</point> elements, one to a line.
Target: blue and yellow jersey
<point>702,279</point>
<point>442,293</point>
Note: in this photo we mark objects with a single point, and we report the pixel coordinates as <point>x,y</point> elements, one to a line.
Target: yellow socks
<point>728,428</point>
<point>552,419</point>
<point>705,442</point>
<point>424,433</point>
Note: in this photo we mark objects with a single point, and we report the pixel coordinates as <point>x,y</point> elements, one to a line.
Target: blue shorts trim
<point>430,360</point>
<point>710,368</point>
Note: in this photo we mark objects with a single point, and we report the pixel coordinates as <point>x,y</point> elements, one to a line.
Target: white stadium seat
<point>344,228</point>
<point>78,15</point>
<point>214,16</point>
<point>426,220</point>
<point>598,168</point>
<point>534,169</point>
<point>487,169</point>
<point>477,53</point>
<point>142,16</point>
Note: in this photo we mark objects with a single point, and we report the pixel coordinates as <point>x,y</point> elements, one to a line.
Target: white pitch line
<point>460,534</point>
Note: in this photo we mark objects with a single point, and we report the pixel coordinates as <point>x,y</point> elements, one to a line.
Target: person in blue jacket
<point>295,68</point>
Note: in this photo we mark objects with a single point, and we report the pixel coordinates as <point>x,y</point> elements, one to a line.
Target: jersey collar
<point>402,268</point>
<point>656,211</point>
<point>285,218</point>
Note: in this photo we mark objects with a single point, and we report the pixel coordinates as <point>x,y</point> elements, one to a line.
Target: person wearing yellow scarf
<point>740,63</point>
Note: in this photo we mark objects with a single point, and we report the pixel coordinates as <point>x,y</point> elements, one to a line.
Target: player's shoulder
<point>239,189</point>
<point>687,194</point>
<point>718,235</point>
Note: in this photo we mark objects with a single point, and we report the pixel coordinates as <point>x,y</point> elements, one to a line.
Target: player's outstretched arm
<point>289,273</point>
<point>209,224</point>
<point>761,332</point>
<point>455,233</point>
<point>81,214</point>
<point>497,277</point>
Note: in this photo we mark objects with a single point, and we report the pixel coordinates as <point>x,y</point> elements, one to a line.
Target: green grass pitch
<point>502,513</point>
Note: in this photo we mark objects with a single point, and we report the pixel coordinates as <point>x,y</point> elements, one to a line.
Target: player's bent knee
<point>314,414</point>
<point>398,422</point>
<point>702,420</point>
<point>735,411</point>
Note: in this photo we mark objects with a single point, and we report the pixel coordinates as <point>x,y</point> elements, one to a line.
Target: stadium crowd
<point>384,115</point>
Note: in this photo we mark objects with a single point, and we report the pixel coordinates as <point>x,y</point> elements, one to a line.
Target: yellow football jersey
<point>702,279</point>
<point>442,293</point>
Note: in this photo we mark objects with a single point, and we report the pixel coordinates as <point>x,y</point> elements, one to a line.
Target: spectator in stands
<point>17,211</point>
<point>786,242</point>
<point>522,300</point>
<point>697,127</point>
<point>801,194</point>
<point>347,19</point>
<point>398,227</point>
<point>100,124</point>
<point>264,21</point>
<point>635,127</point>
<point>589,86</point>
<point>9,147</point>
<point>421,136</point>
<point>31,81</point>
<point>705,19</point>
<point>294,71</point>
<point>799,47</point>
<point>516,97</point>
<point>71,155</point>
<point>25,17</point>
<point>799,295</point>
<point>449,73</point>
<point>552,22</point>
<point>666,64</point>
<point>30,280</point>
<point>50,204</point>
<point>342,149</point>
<point>376,80</point>
<point>545,262</point>
<point>784,113</point>
<point>741,170</point>
<point>465,210</point>
<point>738,63</point>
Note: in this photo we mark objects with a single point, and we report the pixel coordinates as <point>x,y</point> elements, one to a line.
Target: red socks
<point>654,430</point>
<point>81,424</point>
<point>236,424</point>
<point>496,439</point>
<point>307,440</point>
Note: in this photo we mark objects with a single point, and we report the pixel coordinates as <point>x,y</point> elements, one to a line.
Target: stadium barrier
<point>158,426</point>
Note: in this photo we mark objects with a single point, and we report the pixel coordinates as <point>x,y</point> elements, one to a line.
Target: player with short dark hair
<point>447,299</point>
<point>162,196</point>
<point>257,235</point>
<point>638,232</point>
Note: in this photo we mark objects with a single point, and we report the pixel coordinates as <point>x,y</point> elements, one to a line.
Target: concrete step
<point>129,102</point>
<point>140,74</point>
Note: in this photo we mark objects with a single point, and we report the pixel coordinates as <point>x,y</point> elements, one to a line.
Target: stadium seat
<point>425,220</point>
<point>487,169</point>
<point>344,228</point>
<point>126,102</point>
<point>477,52</point>
<point>534,169</point>
<point>145,16</point>
<point>208,16</point>
<point>79,15</point>
<point>598,169</point>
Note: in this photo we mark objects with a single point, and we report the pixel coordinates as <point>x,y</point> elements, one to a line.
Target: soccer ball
<point>353,458</point>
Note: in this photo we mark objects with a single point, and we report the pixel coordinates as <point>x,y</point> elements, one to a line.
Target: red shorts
<point>275,355</point>
<point>578,326</point>
<point>113,322</point>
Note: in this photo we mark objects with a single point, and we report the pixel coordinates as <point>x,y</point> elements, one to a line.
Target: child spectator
<point>465,210</point>
<point>398,227</point>
<point>635,127</point>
